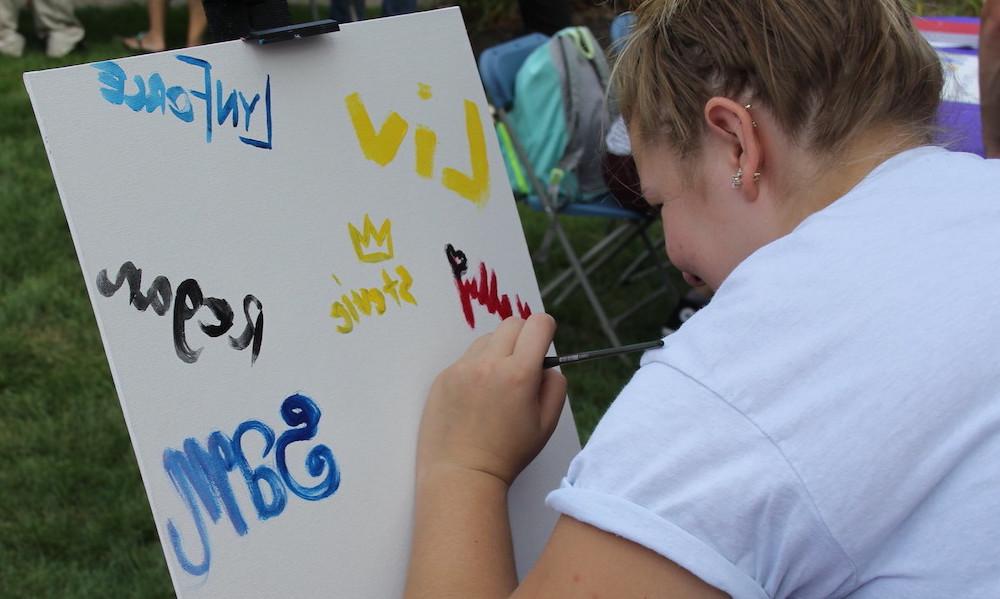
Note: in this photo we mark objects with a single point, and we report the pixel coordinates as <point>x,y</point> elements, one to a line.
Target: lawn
<point>74,521</point>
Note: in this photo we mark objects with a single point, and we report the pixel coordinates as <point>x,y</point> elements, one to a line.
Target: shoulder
<point>580,560</point>
<point>677,469</point>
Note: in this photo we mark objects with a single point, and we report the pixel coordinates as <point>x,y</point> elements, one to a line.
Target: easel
<point>261,21</point>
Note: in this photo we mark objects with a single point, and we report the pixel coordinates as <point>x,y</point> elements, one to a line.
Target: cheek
<point>675,240</point>
<point>682,235</point>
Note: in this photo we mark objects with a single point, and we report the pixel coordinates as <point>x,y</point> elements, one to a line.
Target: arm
<point>461,538</point>
<point>487,416</point>
<point>989,76</point>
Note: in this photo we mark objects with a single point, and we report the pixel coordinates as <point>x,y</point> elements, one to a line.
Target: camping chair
<point>498,68</point>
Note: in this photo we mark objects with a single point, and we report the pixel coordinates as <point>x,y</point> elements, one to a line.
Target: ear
<point>732,128</point>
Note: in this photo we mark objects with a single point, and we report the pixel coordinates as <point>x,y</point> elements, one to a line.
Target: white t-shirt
<point>829,425</point>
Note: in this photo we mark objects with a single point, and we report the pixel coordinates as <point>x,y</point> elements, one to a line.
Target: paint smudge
<point>371,301</point>
<point>382,146</point>
<point>151,94</point>
<point>190,299</point>
<point>483,288</point>
<point>371,246</point>
<point>200,475</point>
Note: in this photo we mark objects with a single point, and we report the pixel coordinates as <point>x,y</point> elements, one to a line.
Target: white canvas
<point>264,209</point>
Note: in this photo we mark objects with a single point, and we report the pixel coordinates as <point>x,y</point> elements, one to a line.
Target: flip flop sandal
<point>137,48</point>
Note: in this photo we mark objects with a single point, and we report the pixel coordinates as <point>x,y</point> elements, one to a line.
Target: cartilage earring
<point>752,122</point>
<point>738,179</point>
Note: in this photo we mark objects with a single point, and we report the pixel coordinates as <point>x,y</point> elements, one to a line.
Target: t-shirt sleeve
<point>675,468</point>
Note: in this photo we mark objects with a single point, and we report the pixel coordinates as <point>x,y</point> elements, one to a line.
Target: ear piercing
<point>737,179</point>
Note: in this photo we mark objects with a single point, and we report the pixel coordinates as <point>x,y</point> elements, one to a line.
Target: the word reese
<point>152,94</point>
<point>200,475</point>
<point>189,300</point>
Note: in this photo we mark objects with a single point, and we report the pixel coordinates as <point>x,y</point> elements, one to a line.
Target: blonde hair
<point>826,69</point>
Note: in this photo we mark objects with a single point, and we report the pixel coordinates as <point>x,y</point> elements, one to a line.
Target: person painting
<point>829,425</point>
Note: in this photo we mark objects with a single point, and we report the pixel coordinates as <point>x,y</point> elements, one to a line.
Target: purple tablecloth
<point>961,128</point>
<point>960,124</point>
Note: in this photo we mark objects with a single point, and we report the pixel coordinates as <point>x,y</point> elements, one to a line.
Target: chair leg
<point>581,277</point>
<point>541,255</point>
<point>558,232</point>
<point>661,262</point>
<point>585,259</point>
<point>639,305</point>
<point>596,257</point>
<point>632,271</point>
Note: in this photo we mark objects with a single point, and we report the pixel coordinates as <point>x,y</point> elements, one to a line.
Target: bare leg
<point>196,23</point>
<point>155,39</point>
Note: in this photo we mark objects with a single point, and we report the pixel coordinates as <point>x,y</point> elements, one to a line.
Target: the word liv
<point>482,289</point>
<point>371,301</point>
<point>200,474</point>
<point>189,300</point>
<point>381,147</point>
<point>152,94</point>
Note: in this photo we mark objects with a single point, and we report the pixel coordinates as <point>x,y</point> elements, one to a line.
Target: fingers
<point>551,398</point>
<point>503,339</point>
<point>478,346</point>
<point>526,340</point>
<point>534,340</point>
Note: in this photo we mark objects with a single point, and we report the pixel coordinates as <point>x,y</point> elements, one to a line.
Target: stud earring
<point>752,122</point>
<point>738,179</point>
<point>756,177</point>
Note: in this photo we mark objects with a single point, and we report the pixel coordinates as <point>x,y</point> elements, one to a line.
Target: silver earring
<point>756,177</point>
<point>752,122</point>
<point>738,179</point>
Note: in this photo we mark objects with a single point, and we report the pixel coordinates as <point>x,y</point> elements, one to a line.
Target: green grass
<point>74,521</point>
<point>944,7</point>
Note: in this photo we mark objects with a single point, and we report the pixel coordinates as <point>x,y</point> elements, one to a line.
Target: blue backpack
<point>560,116</point>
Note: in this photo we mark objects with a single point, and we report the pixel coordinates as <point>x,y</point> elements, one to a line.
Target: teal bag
<point>560,116</point>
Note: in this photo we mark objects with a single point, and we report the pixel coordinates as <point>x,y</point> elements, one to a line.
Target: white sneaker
<point>60,43</point>
<point>12,44</point>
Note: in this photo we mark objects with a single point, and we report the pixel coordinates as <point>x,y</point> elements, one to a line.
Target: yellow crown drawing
<point>363,239</point>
